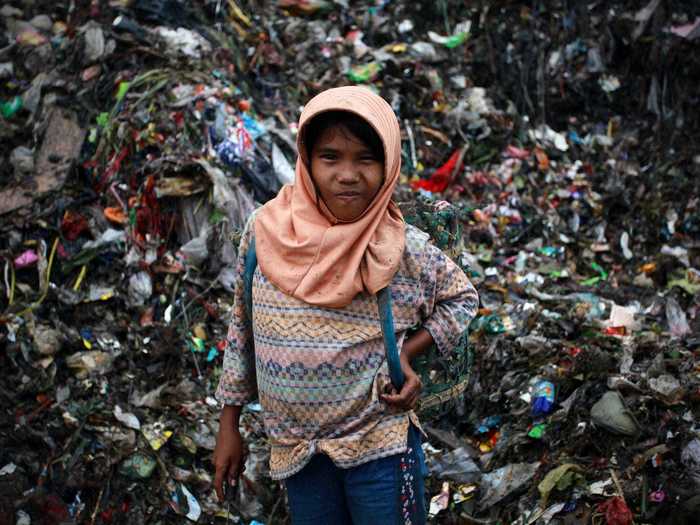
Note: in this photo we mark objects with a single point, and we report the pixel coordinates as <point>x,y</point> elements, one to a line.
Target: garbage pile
<point>552,150</point>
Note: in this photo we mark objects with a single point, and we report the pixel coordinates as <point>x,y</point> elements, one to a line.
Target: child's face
<point>346,173</point>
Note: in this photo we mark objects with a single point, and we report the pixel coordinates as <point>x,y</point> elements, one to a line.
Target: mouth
<point>348,195</point>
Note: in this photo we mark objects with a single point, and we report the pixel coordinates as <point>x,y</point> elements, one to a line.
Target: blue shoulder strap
<point>251,261</point>
<point>386,317</point>
<point>386,320</point>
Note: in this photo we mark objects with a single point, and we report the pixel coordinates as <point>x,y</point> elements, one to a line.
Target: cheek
<point>319,176</point>
<point>376,180</point>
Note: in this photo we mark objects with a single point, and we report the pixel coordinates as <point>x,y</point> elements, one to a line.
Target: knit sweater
<point>318,372</point>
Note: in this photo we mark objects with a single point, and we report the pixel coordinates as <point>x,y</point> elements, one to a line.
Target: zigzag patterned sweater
<point>318,372</point>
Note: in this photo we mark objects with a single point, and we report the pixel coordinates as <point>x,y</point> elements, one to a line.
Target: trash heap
<point>551,150</point>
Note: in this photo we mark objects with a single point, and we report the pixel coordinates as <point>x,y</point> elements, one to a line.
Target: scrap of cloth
<point>318,371</point>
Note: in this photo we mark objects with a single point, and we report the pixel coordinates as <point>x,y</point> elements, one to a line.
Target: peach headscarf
<point>303,249</point>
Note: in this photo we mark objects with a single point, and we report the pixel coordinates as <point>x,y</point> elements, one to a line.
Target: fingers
<point>219,482</point>
<point>408,397</point>
<point>235,470</point>
<point>232,474</point>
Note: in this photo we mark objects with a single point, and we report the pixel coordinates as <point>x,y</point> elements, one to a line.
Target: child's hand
<point>410,392</point>
<point>229,459</point>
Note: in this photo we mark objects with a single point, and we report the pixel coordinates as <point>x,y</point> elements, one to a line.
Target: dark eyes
<point>365,159</point>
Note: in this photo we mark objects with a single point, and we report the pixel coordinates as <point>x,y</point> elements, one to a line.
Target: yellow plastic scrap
<point>398,48</point>
<point>463,493</point>
<point>157,441</point>
<point>80,278</point>
<point>199,331</point>
<point>238,13</point>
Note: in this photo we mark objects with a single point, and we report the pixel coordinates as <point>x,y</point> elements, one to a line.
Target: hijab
<point>307,252</point>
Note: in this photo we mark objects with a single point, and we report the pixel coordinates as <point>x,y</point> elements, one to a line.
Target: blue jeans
<point>386,491</point>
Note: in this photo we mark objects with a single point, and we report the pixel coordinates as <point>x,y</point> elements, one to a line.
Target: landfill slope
<point>552,149</point>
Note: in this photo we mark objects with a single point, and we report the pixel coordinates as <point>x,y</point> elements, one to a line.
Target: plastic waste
<point>537,431</point>
<point>676,318</point>
<point>566,213</point>
<point>365,73</point>
<point>283,169</point>
<point>461,33</point>
<point>504,481</point>
<point>47,340</point>
<point>560,478</point>
<point>93,362</point>
<point>140,288</point>
<point>22,160</point>
<point>127,418</point>
<point>542,398</point>
<point>138,466</point>
<point>444,175</point>
<point>690,457</point>
<point>440,501</point>
<point>667,387</point>
<point>610,412</point>
<point>184,41</point>
<point>9,108</point>
<point>455,465</point>
<point>616,512</point>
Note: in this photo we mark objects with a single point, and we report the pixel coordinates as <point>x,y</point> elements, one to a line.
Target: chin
<point>348,217</point>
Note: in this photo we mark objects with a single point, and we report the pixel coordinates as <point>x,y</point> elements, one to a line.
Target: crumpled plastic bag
<point>690,457</point>
<point>611,413</point>
<point>456,466</point>
<point>500,483</point>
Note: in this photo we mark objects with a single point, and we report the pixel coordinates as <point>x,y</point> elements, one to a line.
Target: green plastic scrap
<point>537,431</point>
<point>365,72</point>
<point>560,478</point>
<point>9,108</point>
<point>602,275</point>
<point>491,324</point>
<point>598,268</point>
<point>102,119</point>
<point>138,466</point>
<point>197,344</point>
<point>689,281</point>
<point>456,40</point>
<point>122,90</point>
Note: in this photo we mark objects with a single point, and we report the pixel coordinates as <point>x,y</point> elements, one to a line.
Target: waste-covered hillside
<point>551,148</point>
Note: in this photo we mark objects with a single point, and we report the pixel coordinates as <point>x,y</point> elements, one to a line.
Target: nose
<point>347,174</point>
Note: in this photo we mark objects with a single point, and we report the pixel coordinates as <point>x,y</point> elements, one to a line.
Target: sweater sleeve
<point>237,385</point>
<point>450,300</point>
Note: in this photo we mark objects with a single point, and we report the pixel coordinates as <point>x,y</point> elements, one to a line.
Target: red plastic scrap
<point>54,511</point>
<point>73,225</point>
<point>115,164</point>
<point>516,153</point>
<point>441,178</point>
<point>616,511</point>
<point>148,216</point>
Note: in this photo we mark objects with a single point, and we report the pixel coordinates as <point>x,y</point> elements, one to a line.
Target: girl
<point>344,442</point>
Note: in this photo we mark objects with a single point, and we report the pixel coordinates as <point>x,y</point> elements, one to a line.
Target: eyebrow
<point>327,150</point>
